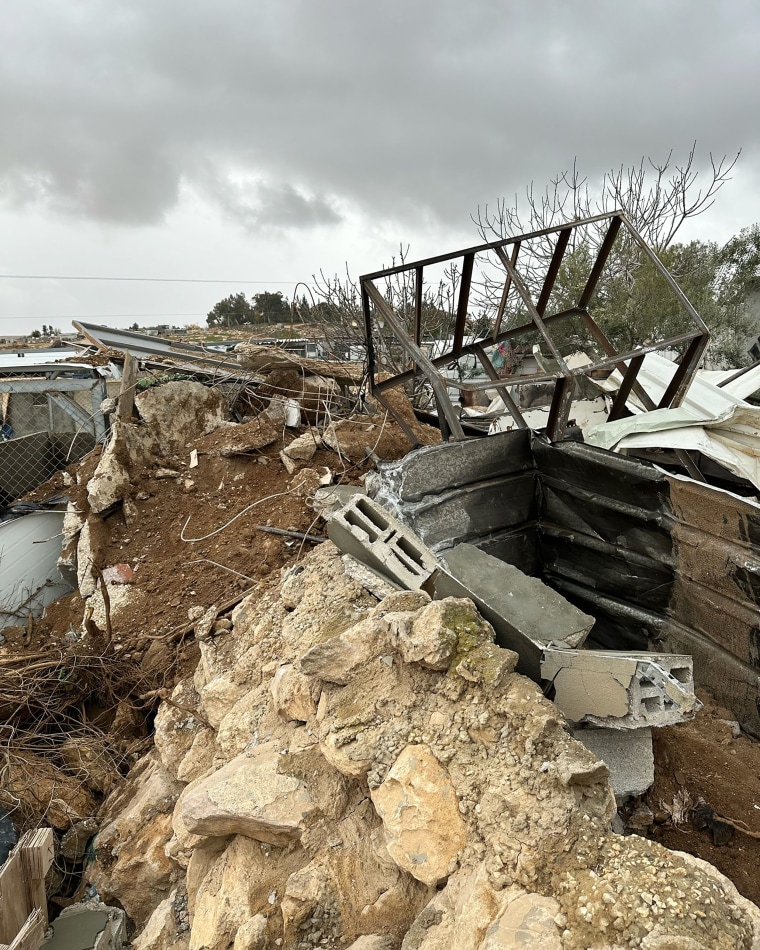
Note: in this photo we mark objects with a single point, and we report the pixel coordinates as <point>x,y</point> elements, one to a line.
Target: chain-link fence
<point>50,417</point>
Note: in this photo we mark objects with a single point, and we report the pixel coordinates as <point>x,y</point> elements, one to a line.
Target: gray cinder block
<point>370,533</point>
<point>628,756</point>
<point>526,614</point>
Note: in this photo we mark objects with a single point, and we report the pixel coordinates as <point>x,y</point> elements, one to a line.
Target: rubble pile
<point>339,768</point>
<point>167,527</point>
<point>284,750</point>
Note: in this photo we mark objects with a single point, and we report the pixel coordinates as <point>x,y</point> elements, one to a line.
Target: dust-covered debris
<point>239,724</point>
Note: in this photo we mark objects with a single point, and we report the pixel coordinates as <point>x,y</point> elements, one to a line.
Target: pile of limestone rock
<point>366,770</point>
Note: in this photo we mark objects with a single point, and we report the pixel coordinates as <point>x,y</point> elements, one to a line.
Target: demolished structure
<point>420,733</point>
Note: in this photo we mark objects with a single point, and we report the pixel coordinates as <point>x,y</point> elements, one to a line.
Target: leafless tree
<point>658,197</point>
<point>340,316</point>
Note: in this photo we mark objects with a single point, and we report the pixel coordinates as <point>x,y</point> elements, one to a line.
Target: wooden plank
<point>32,933</point>
<point>14,909</point>
<point>22,890</point>
<point>127,388</point>
<point>36,858</point>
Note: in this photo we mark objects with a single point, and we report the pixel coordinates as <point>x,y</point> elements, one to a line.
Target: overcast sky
<point>264,140</point>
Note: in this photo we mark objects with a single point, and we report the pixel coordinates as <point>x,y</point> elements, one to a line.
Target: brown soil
<point>702,759</point>
<point>216,507</point>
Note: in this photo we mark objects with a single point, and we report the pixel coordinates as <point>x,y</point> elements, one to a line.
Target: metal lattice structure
<point>505,258</point>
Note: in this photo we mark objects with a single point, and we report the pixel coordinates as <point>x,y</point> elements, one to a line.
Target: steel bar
<point>685,458</point>
<point>559,411</point>
<point>66,404</point>
<point>491,246</point>
<point>739,373</point>
<point>600,337</point>
<point>509,403</point>
<point>464,300</point>
<point>601,260</point>
<point>554,266</point>
<point>505,293</point>
<point>10,385</point>
<point>439,389</point>
<point>531,308</point>
<point>616,361</point>
<point>286,533</point>
<point>676,390</point>
<point>371,363</point>
<point>418,306</point>
<point>377,394</point>
<point>629,378</point>
<point>665,273</point>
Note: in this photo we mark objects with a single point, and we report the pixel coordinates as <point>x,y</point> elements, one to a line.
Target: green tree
<point>231,312</point>
<point>271,307</point>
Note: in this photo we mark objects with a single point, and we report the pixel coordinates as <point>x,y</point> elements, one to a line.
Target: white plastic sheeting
<point>29,576</point>
<point>712,420</point>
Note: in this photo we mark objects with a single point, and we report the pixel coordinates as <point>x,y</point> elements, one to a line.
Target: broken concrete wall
<point>483,491</point>
<point>659,561</point>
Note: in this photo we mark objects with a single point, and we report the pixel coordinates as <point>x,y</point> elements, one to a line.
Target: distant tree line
<point>45,331</point>
<point>236,310</point>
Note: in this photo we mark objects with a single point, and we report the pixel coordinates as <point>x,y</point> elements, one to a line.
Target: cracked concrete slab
<point>621,690</point>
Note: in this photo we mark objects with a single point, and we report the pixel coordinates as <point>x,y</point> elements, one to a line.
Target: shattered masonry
<point>420,734</point>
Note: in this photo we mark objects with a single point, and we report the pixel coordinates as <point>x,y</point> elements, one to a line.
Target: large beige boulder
<point>131,865</point>
<point>526,921</point>
<point>335,660</point>
<point>129,448</point>
<point>250,797</point>
<point>199,757</point>
<point>161,931</point>
<point>176,726</point>
<point>470,915</point>
<point>236,888</point>
<point>252,935</point>
<point>218,698</point>
<point>179,412</point>
<point>420,812</point>
<point>292,694</point>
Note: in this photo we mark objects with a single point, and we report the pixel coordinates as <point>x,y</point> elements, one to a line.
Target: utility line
<point>156,280</point>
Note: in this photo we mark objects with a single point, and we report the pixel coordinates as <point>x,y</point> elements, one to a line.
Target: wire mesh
<point>45,424</point>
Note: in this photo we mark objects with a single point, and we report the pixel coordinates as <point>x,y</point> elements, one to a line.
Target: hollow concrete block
<point>621,690</point>
<point>370,533</point>
<point>526,614</point>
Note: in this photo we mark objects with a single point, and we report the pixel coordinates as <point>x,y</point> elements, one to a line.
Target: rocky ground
<point>274,756</point>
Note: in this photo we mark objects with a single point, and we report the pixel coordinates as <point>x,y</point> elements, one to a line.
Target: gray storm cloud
<point>399,109</point>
